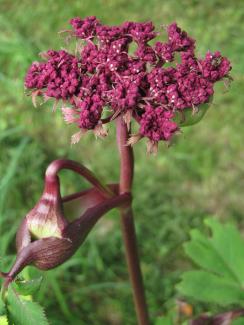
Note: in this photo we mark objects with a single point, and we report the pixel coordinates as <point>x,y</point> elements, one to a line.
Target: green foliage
<point>23,312</point>
<point>171,318</point>
<point>27,287</point>
<point>2,307</point>
<point>164,321</point>
<point>239,321</point>
<point>221,257</point>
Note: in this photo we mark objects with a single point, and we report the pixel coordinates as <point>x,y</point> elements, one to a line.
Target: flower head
<point>106,78</point>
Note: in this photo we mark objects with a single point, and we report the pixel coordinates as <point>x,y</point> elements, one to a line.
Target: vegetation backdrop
<point>201,175</point>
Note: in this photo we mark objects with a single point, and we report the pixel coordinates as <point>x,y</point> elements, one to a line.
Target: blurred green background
<point>202,174</point>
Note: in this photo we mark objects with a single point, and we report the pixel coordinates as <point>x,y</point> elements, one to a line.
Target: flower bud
<point>46,238</point>
<point>46,218</point>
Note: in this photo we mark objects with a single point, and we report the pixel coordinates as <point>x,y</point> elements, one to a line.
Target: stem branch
<point>59,164</point>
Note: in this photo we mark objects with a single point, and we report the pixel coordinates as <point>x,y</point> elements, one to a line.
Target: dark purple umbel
<point>116,69</point>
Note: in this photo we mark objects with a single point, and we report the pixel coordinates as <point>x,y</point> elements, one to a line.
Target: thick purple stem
<point>127,223</point>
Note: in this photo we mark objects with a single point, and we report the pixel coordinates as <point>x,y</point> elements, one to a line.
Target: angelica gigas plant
<point>117,74</point>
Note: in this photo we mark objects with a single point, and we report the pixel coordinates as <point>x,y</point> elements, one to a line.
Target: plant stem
<point>127,223</point>
<point>60,164</point>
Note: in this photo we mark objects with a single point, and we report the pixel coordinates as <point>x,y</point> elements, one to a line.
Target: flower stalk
<point>60,164</point>
<point>127,223</point>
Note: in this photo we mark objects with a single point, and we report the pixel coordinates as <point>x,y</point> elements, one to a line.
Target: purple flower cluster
<point>105,75</point>
<point>60,76</point>
<point>178,41</point>
<point>86,28</point>
<point>90,112</point>
<point>214,66</point>
<point>157,124</point>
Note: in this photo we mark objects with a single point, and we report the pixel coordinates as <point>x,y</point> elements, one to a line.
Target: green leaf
<point>227,241</point>
<point>22,312</point>
<point>221,256</point>
<point>164,321</point>
<point>26,288</point>
<point>2,307</point>
<point>188,117</point>
<point>210,288</point>
<point>203,253</point>
<point>239,321</point>
<point>3,318</point>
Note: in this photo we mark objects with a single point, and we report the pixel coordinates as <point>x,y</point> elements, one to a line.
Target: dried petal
<point>100,131</point>
<point>152,147</point>
<point>77,136</point>
<point>133,139</point>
